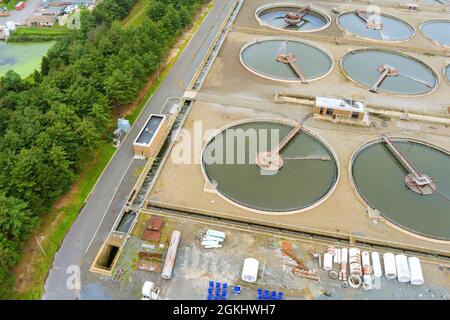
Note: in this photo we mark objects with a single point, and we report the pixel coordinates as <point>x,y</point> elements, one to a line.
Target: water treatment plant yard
<point>196,266</point>
<point>363,161</point>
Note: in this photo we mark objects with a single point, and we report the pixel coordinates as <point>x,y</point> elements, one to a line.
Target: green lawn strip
<point>135,113</point>
<point>51,243</point>
<point>38,33</point>
<point>136,15</point>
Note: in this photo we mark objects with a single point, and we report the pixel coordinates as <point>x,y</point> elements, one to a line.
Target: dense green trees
<point>51,122</point>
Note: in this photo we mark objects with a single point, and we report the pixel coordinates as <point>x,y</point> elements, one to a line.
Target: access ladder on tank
<point>415,180</point>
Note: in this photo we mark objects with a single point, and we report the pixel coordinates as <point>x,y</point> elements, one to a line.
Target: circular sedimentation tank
<point>389,72</point>
<point>263,58</point>
<point>373,26</point>
<point>307,177</point>
<point>277,16</point>
<point>380,180</point>
<point>438,31</point>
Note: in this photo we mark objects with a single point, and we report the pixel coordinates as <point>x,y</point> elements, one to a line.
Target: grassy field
<point>38,33</point>
<point>137,14</point>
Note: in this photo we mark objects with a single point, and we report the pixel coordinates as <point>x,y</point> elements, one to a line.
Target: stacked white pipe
<point>344,262</point>
<point>390,270</point>
<point>328,258</point>
<point>416,271</point>
<point>367,270</point>
<point>376,263</point>
<point>401,263</point>
<point>213,239</point>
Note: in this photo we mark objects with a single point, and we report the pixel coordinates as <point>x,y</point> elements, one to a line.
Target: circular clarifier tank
<point>307,175</point>
<point>292,17</point>
<point>438,31</point>
<point>373,26</point>
<point>286,60</point>
<point>379,177</point>
<point>389,72</point>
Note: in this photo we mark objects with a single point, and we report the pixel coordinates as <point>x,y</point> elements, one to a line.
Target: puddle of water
<point>261,58</point>
<point>126,221</point>
<point>299,184</point>
<point>275,18</point>
<point>447,72</point>
<point>438,31</point>
<point>362,66</point>
<point>393,29</point>
<point>380,180</point>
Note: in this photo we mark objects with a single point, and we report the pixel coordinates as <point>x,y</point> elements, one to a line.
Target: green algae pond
<point>23,58</point>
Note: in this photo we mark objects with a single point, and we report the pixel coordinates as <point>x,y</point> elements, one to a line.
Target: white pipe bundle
<point>390,270</point>
<point>344,255</point>
<point>401,263</point>
<point>416,271</point>
<point>377,272</point>
<point>367,277</point>
<point>327,261</point>
<point>355,261</point>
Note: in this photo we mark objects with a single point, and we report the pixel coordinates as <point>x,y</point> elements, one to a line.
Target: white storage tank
<point>344,255</point>
<point>250,270</point>
<point>376,263</point>
<point>403,274</point>
<point>171,254</point>
<point>390,271</point>
<point>416,271</point>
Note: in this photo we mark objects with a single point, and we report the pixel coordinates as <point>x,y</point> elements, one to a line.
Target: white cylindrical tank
<point>171,254</point>
<point>337,256</point>
<point>327,261</point>
<point>416,271</point>
<point>377,272</point>
<point>250,270</point>
<point>401,263</point>
<point>355,261</point>
<point>390,270</point>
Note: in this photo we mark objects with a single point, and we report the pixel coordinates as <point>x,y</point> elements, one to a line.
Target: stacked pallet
<point>213,239</point>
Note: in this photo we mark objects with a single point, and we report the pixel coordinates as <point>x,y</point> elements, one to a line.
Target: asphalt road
<point>19,17</point>
<point>101,209</point>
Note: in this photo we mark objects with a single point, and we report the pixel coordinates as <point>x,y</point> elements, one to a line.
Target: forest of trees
<point>52,121</point>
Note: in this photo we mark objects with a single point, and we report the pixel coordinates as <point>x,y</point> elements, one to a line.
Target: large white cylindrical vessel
<point>250,270</point>
<point>327,261</point>
<point>416,271</point>
<point>377,272</point>
<point>171,254</point>
<point>390,270</point>
<point>403,274</point>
